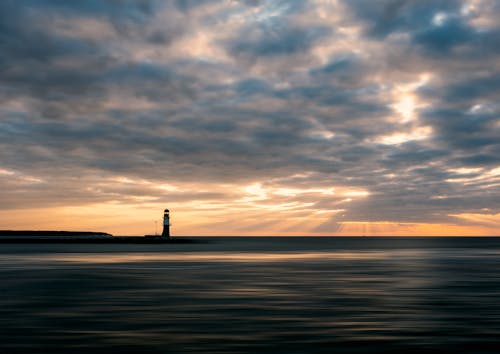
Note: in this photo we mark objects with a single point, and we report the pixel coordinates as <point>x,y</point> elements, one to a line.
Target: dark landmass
<point>33,236</point>
<point>31,233</point>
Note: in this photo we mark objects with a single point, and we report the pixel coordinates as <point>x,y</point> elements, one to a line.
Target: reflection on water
<point>219,298</point>
<point>209,257</point>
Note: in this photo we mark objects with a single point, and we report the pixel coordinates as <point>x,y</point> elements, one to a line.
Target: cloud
<point>338,113</point>
<point>444,37</point>
<point>270,40</point>
<point>385,17</point>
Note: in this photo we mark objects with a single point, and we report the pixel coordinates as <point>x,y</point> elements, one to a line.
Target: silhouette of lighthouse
<point>166,224</point>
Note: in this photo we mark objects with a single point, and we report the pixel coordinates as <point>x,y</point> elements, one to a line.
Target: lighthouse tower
<point>166,224</point>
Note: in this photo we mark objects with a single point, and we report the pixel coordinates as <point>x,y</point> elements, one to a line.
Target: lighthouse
<point>166,224</point>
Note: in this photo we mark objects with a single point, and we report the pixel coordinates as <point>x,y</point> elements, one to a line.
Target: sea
<point>253,295</point>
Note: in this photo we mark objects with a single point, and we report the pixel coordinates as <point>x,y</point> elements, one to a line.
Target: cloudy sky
<point>319,117</point>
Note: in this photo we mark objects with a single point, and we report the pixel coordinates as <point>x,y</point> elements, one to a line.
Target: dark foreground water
<point>253,295</point>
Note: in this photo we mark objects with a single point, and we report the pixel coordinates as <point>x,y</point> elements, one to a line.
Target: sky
<point>319,117</point>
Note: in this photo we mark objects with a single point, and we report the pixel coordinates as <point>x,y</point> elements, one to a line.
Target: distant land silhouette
<point>32,233</point>
<point>37,236</point>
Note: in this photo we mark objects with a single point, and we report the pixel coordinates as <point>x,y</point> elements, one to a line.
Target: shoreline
<point>114,240</point>
<point>32,236</point>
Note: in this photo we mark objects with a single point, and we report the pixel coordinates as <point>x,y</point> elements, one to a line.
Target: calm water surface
<point>249,295</point>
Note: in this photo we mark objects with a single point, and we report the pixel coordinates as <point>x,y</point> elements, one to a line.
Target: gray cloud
<point>382,18</point>
<point>272,39</point>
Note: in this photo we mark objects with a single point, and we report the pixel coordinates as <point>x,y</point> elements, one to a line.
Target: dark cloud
<point>187,5</point>
<point>345,70</point>
<point>51,65</point>
<point>381,18</point>
<point>471,89</point>
<point>275,39</point>
<point>445,37</point>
